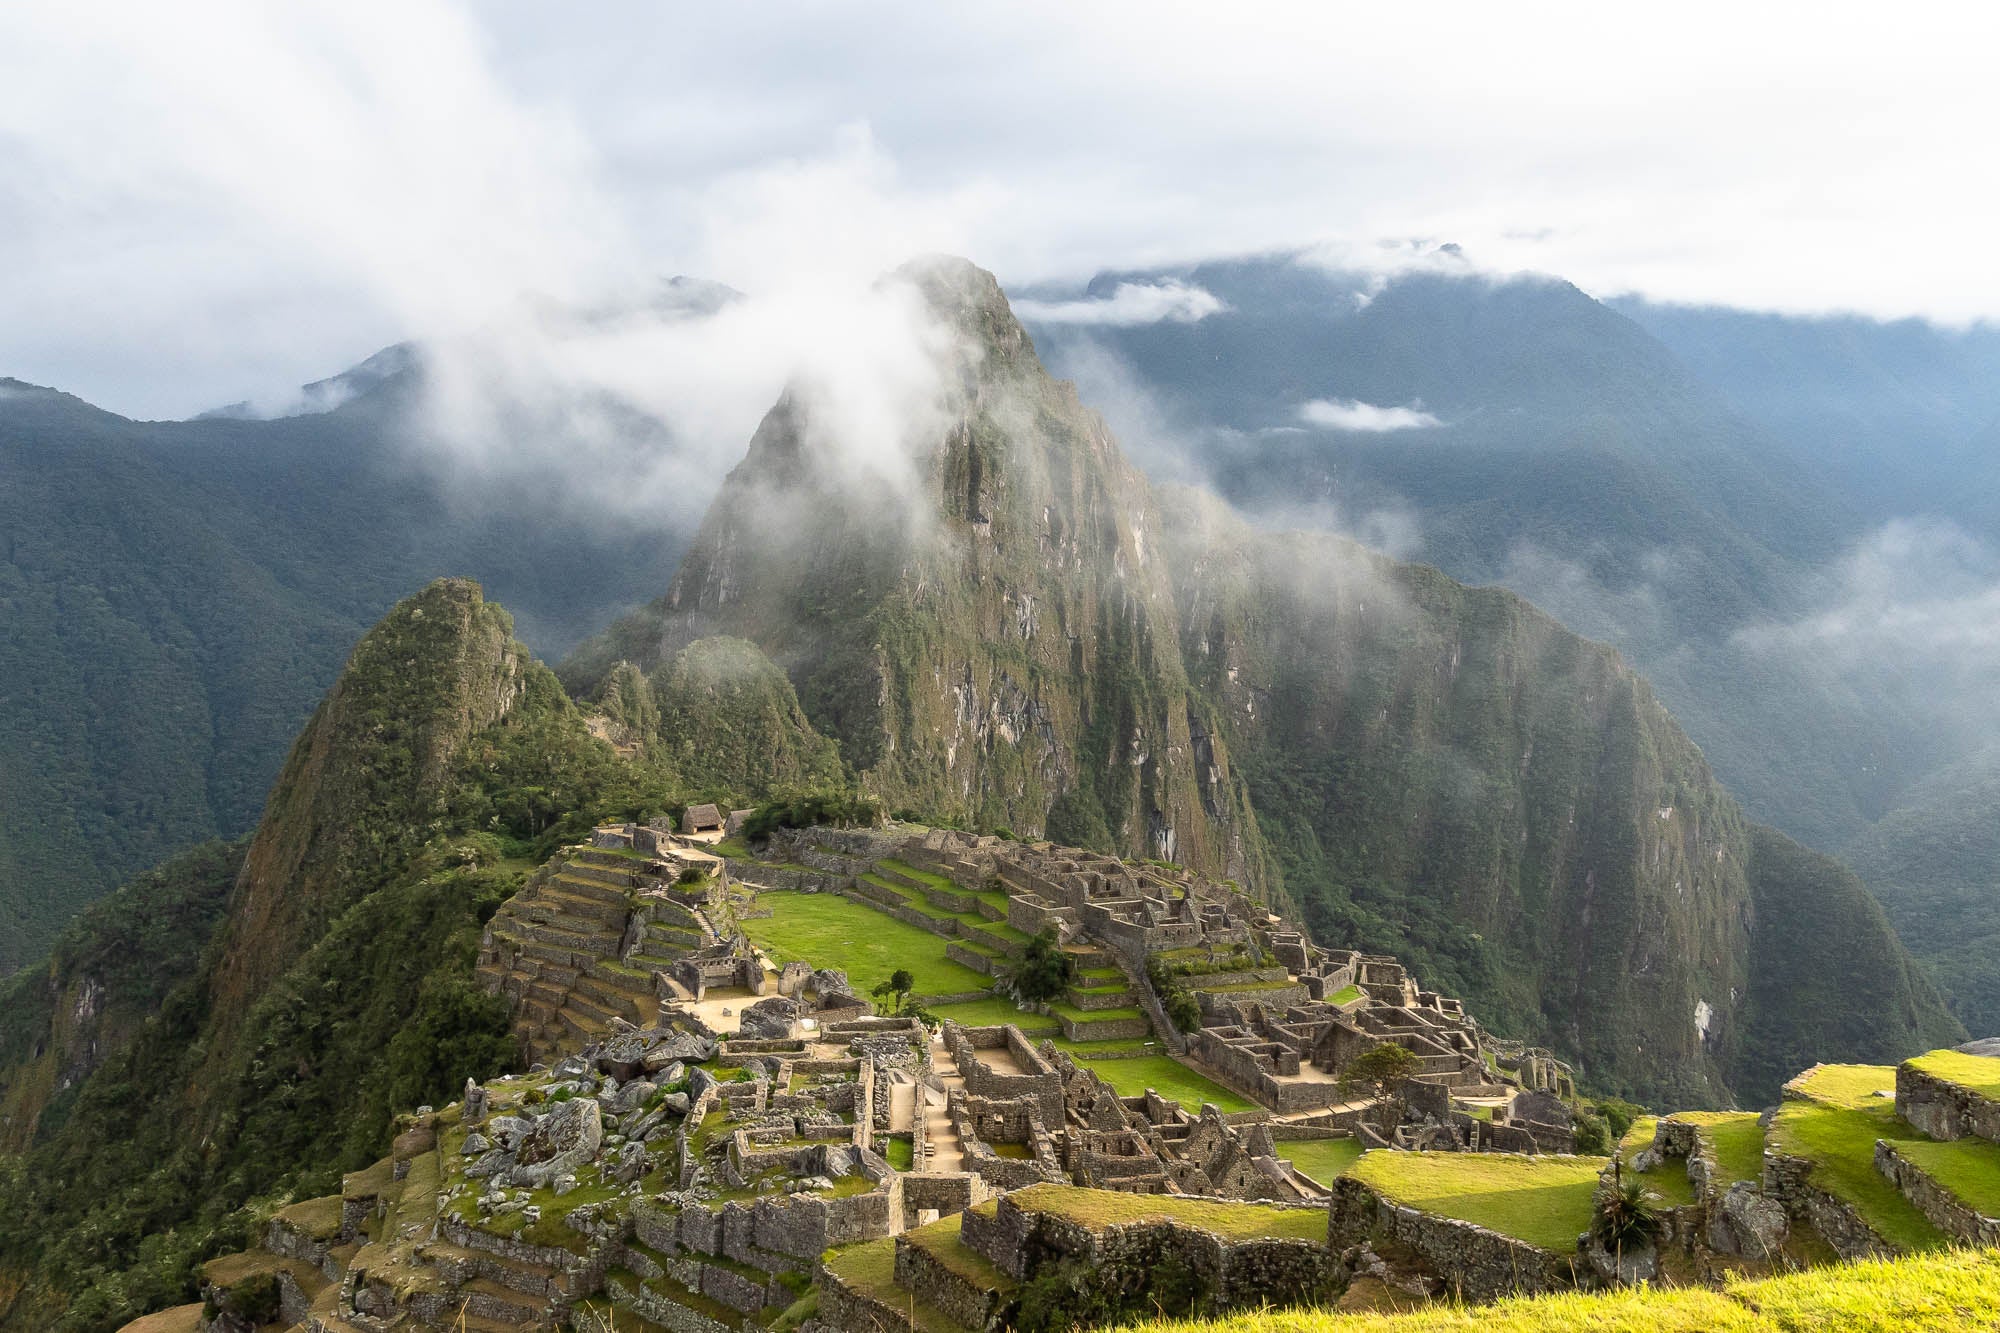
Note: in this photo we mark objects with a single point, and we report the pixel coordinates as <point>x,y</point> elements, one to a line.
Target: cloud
<point>1365,418</point>
<point>1130,303</point>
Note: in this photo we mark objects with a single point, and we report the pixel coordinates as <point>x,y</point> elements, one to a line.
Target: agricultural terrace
<point>1832,1116</point>
<point>1974,1073</point>
<point>1323,1160</point>
<point>1957,1291</point>
<point>1544,1201</point>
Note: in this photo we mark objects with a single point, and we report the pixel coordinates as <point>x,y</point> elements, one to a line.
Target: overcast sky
<point>213,200</point>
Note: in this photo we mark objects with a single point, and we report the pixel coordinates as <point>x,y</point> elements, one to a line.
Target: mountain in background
<point>1030,636</point>
<point>177,594</point>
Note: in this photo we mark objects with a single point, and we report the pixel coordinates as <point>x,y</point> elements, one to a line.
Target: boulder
<point>475,1144</point>
<point>629,1163</point>
<point>776,1017</point>
<point>495,1162</point>
<point>561,1141</point>
<point>624,1056</point>
<point>1748,1222</point>
<point>508,1129</point>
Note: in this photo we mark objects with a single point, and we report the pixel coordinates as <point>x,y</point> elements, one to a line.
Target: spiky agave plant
<point>1627,1215</point>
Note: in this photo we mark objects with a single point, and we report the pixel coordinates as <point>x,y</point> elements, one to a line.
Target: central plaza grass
<point>1230,1220</point>
<point>1323,1160</point>
<point>827,930</point>
<point>1170,1078</point>
<point>1975,1073</point>
<point>1834,1125</point>
<point>996,1010</point>
<point>1954,1292</point>
<point>1544,1201</point>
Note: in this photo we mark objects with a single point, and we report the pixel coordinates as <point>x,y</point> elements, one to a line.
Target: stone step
<point>461,1266</point>
<point>487,1299</point>
<point>557,899</point>
<point>583,942</point>
<point>577,877</point>
<point>610,1000</point>
<point>583,1025</point>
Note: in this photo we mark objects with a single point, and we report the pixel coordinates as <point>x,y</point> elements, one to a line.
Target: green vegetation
<point>1044,970</point>
<point>1969,1168</point>
<point>899,1151</point>
<point>1975,1073</point>
<point>1321,1159</point>
<point>1738,1138</point>
<point>1380,1070</point>
<point>1171,1079</point>
<point>1545,1201</point>
<point>1626,1215</point>
<point>987,1013</point>
<point>1232,1221</point>
<point>1957,1291</point>
<point>1669,1179</point>
<point>724,715</point>
<point>1834,1123</point>
<point>809,811</point>
<point>827,930</point>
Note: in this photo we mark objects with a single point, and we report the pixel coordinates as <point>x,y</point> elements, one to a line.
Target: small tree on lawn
<point>899,985</point>
<point>1379,1071</point>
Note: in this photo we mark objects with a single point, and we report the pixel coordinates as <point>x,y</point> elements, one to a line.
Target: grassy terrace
<point>1076,1015</point>
<point>991,1012</point>
<point>1738,1140</point>
<point>827,930</point>
<point>870,1268</point>
<point>1832,1115</point>
<point>1957,1292</point>
<point>1669,1179</point>
<point>1544,1201</point>
<point>970,921</point>
<point>940,1240</point>
<point>1969,1168</point>
<point>1232,1221</point>
<point>1975,1073</point>
<point>1322,1159</point>
<point>1345,995</point>
<point>1170,1078</point>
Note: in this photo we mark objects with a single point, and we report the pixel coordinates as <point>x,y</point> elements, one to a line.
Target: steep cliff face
<point>987,625</point>
<point>1448,772</point>
<point>366,780</point>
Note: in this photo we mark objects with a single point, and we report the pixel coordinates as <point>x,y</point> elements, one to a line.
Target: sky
<point>220,199</point>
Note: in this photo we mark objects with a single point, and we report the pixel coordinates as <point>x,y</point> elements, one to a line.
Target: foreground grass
<point>827,930</point>
<point>1170,1078</point>
<point>1953,1292</point>
<point>1976,1073</point>
<point>1544,1201</point>
<point>1832,1117</point>
<point>1323,1160</point>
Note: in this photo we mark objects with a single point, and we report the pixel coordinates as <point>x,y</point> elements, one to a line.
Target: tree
<point>1044,971</point>
<point>1380,1070</point>
<point>899,984</point>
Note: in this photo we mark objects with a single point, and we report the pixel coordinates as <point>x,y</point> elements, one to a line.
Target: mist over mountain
<point>177,594</point>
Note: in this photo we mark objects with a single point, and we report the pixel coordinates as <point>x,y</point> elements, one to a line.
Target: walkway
<point>947,1153</point>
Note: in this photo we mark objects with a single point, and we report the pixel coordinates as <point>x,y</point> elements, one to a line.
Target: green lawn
<point>1969,1168</point>
<point>1544,1201</point>
<point>1321,1159</point>
<point>1976,1073</point>
<point>1232,1221</point>
<point>1669,1179</point>
<point>1076,1015</point>
<point>1738,1140</point>
<point>1838,1136</point>
<point>1170,1078</point>
<point>995,1010</point>
<point>1346,994</point>
<point>827,930</point>
<point>1098,1050</point>
<point>1851,1086</point>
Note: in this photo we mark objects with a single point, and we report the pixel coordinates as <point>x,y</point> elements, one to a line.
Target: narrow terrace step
<point>490,1300</point>
<point>465,1265</point>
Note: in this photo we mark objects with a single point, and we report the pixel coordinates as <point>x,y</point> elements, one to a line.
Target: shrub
<point>1627,1215</point>
<point>1044,971</point>
<point>1593,1136</point>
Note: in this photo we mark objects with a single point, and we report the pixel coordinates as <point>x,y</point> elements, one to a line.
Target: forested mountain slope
<point>177,594</point>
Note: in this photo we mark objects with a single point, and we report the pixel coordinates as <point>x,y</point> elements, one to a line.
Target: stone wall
<point>1039,1082</point>
<point>1787,1179</point>
<point>1238,1273</point>
<point>1945,1111</point>
<point>1476,1264</point>
<point>1945,1210</point>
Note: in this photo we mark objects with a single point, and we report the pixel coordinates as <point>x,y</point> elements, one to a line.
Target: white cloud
<point>1366,418</point>
<point>1130,303</point>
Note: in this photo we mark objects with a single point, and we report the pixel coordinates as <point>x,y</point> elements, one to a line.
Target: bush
<point>1593,1136</point>
<point>811,811</point>
<point>1044,971</point>
<point>1626,1216</point>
